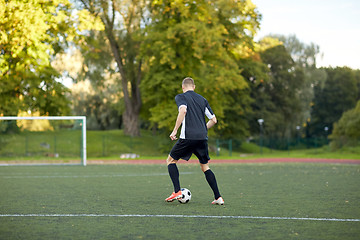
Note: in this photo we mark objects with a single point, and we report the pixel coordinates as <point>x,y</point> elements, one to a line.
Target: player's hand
<point>173,136</point>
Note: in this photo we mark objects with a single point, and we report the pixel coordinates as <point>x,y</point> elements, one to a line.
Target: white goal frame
<point>82,118</point>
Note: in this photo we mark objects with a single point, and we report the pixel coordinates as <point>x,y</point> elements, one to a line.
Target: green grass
<point>268,190</point>
<point>67,144</point>
<point>110,144</point>
<point>250,150</point>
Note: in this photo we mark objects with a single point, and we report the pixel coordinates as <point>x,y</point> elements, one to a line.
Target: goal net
<point>43,140</point>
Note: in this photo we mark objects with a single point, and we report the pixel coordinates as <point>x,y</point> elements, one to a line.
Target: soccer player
<point>193,137</point>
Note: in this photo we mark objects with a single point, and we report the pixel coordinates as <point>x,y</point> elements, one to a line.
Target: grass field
<point>127,202</point>
<point>43,146</point>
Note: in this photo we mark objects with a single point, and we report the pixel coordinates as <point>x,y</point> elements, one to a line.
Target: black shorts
<point>184,148</point>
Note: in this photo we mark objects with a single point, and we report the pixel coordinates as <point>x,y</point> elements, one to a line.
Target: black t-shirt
<point>194,124</point>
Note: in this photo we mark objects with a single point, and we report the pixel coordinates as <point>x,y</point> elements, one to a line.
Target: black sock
<point>174,175</point>
<point>210,178</point>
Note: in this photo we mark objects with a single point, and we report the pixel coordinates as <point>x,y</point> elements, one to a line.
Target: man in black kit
<point>193,137</point>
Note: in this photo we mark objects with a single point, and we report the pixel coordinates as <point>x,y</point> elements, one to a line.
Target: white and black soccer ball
<point>186,195</point>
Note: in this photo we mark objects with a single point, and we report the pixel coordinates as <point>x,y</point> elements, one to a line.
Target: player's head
<point>188,84</point>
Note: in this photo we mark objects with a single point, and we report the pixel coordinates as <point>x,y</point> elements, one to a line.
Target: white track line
<point>94,176</point>
<point>180,216</point>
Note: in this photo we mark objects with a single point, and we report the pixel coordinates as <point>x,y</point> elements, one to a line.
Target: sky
<point>334,25</point>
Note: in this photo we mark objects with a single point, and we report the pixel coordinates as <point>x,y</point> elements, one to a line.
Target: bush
<point>347,130</point>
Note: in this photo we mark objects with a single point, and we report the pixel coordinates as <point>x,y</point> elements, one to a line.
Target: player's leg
<point>174,175</point>
<point>181,149</point>
<point>173,172</point>
<point>204,167</point>
<point>211,179</point>
<point>202,154</point>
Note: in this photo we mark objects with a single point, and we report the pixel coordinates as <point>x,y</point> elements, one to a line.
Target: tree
<point>124,22</point>
<point>337,95</point>
<point>197,39</point>
<point>303,55</point>
<point>281,92</point>
<point>256,73</point>
<point>100,105</point>
<point>31,33</point>
<point>347,129</point>
<point>96,92</point>
<point>357,77</point>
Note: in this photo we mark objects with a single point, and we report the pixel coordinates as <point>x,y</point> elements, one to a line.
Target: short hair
<point>188,81</point>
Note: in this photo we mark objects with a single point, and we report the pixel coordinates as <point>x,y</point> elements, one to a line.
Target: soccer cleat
<point>174,196</point>
<point>219,201</point>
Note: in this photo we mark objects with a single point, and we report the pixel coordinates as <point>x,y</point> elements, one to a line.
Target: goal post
<point>80,118</point>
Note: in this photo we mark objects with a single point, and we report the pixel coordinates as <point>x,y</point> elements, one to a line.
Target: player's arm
<point>211,122</point>
<point>179,120</point>
<point>210,115</point>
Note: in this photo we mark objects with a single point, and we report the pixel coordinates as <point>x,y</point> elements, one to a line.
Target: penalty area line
<point>181,216</point>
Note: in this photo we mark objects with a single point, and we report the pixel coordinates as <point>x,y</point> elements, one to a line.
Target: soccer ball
<point>186,195</point>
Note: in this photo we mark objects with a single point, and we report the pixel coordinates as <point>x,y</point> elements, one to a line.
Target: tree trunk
<point>132,99</point>
<point>129,68</point>
<point>131,123</point>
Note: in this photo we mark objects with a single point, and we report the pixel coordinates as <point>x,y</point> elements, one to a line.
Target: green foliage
<point>196,38</point>
<point>357,77</point>
<point>99,104</point>
<point>337,95</point>
<point>304,55</point>
<point>123,23</point>
<point>255,73</point>
<point>126,45</point>
<point>31,33</point>
<point>98,63</point>
<point>347,129</point>
<point>278,100</point>
<point>97,92</point>
<point>280,71</point>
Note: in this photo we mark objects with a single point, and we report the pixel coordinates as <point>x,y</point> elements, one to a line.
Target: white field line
<point>181,216</point>
<point>93,176</point>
